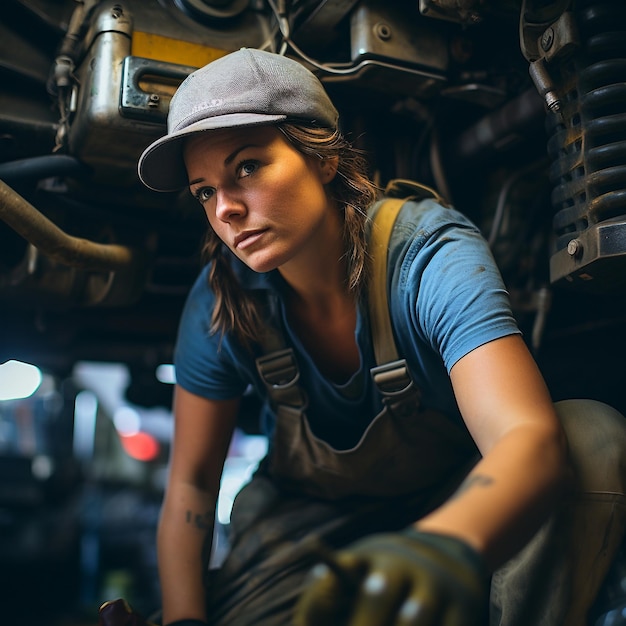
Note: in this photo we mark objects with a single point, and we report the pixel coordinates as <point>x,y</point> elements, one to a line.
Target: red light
<point>140,446</point>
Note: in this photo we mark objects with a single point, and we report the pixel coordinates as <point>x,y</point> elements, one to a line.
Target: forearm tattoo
<point>475,480</point>
<point>202,521</point>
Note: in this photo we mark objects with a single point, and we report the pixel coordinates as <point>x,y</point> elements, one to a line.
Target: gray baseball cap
<point>248,87</point>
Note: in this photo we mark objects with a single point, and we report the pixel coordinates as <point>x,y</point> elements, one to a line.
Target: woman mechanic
<point>373,507</point>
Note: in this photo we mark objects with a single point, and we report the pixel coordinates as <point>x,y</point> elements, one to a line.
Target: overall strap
<point>278,367</point>
<point>411,189</point>
<point>378,301</point>
<point>280,374</point>
<point>391,374</point>
<point>398,191</point>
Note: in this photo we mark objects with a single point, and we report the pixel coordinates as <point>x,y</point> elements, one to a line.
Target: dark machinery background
<point>515,110</point>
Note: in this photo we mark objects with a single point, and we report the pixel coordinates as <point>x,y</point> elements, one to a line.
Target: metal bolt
<point>552,101</point>
<point>382,31</point>
<point>575,248</point>
<point>547,39</point>
<point>153,100</point>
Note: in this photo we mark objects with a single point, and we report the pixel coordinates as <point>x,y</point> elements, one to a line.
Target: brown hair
<point>235,310</point>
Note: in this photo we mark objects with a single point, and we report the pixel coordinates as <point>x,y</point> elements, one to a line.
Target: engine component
<point>587,145</point>
<point>398,52</point>
<point>126,70</point>
<point>463,11</point>
<point>108,129</point>
<point>214,9</point>
<point>315,23</point>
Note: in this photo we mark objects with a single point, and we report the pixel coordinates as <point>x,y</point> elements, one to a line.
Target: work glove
<point>120,613</point>
<point>408,578</point>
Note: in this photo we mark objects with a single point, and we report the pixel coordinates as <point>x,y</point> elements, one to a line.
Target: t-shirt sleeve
<point>203,362</point>
<point>455,289</point>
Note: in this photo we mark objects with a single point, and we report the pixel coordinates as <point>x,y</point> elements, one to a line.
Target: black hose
<point>37,168</point>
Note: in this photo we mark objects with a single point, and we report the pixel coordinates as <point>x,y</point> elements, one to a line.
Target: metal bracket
<point>138,104</point>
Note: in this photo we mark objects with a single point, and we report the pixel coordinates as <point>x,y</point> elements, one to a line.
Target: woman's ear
<point>328,168</point>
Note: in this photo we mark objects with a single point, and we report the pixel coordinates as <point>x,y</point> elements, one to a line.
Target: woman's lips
<point>248,238</point>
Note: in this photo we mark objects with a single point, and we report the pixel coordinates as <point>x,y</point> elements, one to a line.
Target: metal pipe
<point>37,229</point>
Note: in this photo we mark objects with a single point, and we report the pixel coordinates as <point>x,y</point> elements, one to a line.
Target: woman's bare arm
<point>203,430</point>
<point>508,411</point>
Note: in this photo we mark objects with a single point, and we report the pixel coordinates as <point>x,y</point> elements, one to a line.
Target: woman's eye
<point>246,168</point>
<point>204,194</point>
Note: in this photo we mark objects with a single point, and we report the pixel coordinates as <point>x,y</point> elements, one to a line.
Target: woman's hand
<point>405,579</point>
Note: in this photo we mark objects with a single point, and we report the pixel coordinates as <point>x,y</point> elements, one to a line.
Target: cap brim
<point>161,166</point>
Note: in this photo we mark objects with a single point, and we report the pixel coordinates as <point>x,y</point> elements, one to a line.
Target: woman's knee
<point>596,434</point>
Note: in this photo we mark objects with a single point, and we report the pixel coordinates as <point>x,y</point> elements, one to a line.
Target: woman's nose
<point>228,206</point>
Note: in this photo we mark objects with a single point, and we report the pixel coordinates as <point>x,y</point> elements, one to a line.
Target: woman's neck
<point>319,277</point>
<point>323,314</point>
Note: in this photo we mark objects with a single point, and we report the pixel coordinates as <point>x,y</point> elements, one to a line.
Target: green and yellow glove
<point>408,578</point>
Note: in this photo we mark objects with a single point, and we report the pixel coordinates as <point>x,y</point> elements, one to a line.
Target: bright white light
<point>85,416</point>
<point>165,374</point>
<point>127,421</point>
<point>18,380</point>
<point>224,507</point>
<point>42,467</point>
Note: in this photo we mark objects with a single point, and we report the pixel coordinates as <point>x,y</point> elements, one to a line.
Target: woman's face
<point>263,198</point>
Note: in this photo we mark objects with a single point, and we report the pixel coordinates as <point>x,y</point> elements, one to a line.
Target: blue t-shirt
<point>446,298</point>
